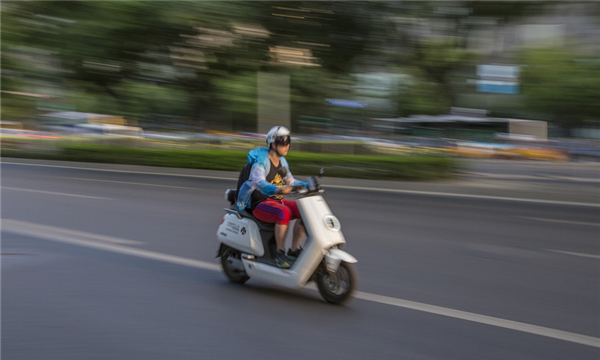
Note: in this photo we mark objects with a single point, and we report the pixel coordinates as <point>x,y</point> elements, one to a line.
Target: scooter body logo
<point>233,227</point>
<point>332,223</point>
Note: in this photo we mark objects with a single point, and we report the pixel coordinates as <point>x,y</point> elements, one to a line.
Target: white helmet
<point>278,134</point>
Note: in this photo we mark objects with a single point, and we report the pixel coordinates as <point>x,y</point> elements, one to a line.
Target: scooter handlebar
<point>299,189</point>
<point>312,188</point>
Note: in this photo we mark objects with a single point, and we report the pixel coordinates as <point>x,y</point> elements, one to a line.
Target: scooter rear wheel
<point>337,288</point>
<point>233,274</point>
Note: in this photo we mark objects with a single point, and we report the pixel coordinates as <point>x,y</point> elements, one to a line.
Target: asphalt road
<point>120,265</point>
<point>580,172</point>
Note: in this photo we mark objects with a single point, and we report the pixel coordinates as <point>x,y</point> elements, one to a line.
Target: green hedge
<point>301,163</point>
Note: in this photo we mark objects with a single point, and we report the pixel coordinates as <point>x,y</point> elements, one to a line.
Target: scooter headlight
<point>332,223</point>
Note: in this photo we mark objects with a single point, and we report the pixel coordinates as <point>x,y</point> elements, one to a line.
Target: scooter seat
<point>231,196</point>
<point>265,226</point>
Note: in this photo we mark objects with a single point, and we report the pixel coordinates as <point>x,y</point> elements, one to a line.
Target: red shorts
<point>277,211</point>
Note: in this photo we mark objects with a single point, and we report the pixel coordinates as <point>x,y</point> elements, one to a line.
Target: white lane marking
<point>569,178</point>
<point>502,176</point>
<point>119,249</point>
<point>125,171</point>
<point>482,319</point>
<point>53,193</point>
<point>532,177</point>
<point>561,221</point>
<point>128,182</point>
<point>457,314</point>
<point>488,197</point>
<point>433,193</point>
<point>53,232</point>
<point>576,254</point>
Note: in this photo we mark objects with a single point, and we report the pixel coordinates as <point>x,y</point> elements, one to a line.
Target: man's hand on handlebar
<point>284,190</point>
<point>312,188</point>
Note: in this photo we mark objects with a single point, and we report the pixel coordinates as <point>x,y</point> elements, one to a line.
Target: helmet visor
<point>283,140</point>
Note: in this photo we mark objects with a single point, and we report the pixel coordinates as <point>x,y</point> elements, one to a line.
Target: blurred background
<point>469,75</point>
<point>498,261</point>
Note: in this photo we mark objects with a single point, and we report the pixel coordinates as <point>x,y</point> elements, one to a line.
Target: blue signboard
<point>498,79</point>
<point>499,87</point>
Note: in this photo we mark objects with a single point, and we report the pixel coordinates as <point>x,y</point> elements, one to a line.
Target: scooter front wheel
<point>336,288</point>
<point>231,271</point>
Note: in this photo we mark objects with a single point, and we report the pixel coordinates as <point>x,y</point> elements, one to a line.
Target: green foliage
<point>563,86</point>
<point>16,108</point>
<point>197,60</point>
<point>239,92</point>
<point>308,93</point>
<point>336,165</point>
<point>104,42</point>
<point>505,10</point>
<point>422,96</point>
<point>334,32</point>
<point>373,167</point>
<point>437,59</point>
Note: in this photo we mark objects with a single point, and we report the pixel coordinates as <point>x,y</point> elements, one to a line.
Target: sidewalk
<point>561,191</point>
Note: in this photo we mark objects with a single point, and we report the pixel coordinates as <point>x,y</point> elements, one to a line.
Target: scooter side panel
<point>241,234</point>
<point>321,225</point>
<point>323,232</point>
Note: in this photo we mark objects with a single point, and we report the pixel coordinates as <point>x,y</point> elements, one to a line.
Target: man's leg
<point>299,230</point>
<point>299,233</point>
<point>275,212</point>
<point>280,232</point>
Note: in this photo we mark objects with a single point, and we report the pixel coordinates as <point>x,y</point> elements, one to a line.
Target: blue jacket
<point>259,157</point>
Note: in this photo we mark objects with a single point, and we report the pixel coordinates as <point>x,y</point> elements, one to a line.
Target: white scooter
<point>247,248</point>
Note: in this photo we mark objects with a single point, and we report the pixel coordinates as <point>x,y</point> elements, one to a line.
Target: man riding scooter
<point>268,204</point>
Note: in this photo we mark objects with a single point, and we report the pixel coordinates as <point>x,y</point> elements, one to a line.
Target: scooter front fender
<point>341,255</point>
<point>334,257</point>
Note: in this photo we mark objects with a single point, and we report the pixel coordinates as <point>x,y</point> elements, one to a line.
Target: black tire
<point>336,288</point>
<point>234,275</point>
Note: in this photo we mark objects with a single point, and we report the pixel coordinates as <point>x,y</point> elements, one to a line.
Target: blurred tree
<point>505,11</point>
<point>430,43</point>
<point>199,59</point>
<point>563,86</point>
<point>105,48</point>
<point>335,33</point>
<point>308,94</point>
<point>299,39</point>
<point>13,107</point>
<point>422,96</point>
<point>437,59</point>
<point>94,47</point>
<point>241,99</point>
<point>433,38</point>
<point>104,42</point>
